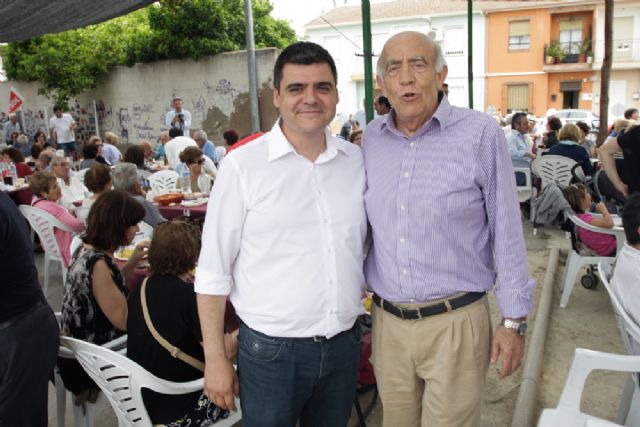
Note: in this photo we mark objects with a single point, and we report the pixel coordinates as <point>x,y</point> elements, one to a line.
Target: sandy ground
<point>587,322</point>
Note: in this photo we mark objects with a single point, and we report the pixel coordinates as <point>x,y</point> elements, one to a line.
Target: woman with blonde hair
<point>110,152</point>
<point>569,146</point>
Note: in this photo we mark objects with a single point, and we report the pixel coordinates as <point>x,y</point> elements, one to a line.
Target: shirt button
<point>401,207</point>
<point>404,271</point>
<point>402,240</point>
<point>406,174</point>
<point>412,144</point>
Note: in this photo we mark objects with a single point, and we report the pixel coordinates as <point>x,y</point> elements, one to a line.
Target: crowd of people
<point>284,242</point>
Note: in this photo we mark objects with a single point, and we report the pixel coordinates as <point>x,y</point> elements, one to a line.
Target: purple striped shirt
<point>444,211</point>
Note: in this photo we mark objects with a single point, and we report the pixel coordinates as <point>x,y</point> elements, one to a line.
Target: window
<point>517,97</point>
<point>334,46</point>
<point>519,34</point>
<point>622,38</point>
<point>571,36</point>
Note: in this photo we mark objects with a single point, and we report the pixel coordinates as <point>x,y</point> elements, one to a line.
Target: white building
<point>340,32</point>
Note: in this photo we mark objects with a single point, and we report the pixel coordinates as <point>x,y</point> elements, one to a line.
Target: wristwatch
<point>519,327</point>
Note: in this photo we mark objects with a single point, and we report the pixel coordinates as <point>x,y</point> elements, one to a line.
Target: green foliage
<point>72,62</point>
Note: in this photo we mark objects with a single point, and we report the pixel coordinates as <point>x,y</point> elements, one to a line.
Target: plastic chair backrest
<point>44,224</point>
<point>617,232</point>
<point>122,381</point>
<point>629,329</point>
<point>163,180</point>
<point>524,191</point>
<point>552,168</point>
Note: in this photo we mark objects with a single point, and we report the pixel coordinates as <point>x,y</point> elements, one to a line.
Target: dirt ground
<point>587,322</point>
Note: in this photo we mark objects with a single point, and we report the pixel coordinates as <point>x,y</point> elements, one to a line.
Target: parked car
<point>574,116</point>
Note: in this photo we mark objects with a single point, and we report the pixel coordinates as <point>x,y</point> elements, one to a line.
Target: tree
<point>72,62</point>
<point>605,72</point>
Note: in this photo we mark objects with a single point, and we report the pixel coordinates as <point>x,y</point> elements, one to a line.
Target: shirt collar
<point>279,145</point>
<point>567,142</point>
<point>440,117</point>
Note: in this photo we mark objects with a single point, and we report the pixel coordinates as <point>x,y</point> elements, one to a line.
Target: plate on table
<point>125,254</point>
<point>194,203</point>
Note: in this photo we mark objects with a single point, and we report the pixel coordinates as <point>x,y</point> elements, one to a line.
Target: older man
<point>207,147</point>
<point>73,191</point>
<point>125,178</point>
<point>443,207</point>
<point>283,238</point>
<point>178,118</point>
<point>162,141</point>
<point>518,142</point>
<point>10,127</point>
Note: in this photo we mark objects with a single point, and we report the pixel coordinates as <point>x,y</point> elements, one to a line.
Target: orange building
<point>539,58</point>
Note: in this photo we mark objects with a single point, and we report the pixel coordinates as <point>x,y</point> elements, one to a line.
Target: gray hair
<point>125,177</point>
<point>441,62</point>
<point>22,140</point>
<point>56,160</point>
<point>200,134</point>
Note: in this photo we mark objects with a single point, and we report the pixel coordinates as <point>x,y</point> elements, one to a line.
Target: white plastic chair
<point>163,180</point>
<point>44,224</point>
<point>575,261</point>
<point>567,413</point>
<point>122,381</point>
<point>84,415</point>
<point>525,192</point>
<point>146,232</point>
<point>80,175</point>
<point>629,409</point>
<point>552,168</point>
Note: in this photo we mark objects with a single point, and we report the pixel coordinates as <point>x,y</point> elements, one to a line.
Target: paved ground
<point>587,322</point>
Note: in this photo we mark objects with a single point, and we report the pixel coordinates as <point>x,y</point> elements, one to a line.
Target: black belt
<point>17,317</point>
<point>316,338</point>
<point>430,310</point>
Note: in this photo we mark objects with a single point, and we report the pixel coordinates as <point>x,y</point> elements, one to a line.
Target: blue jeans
<point>68,147</point>
<point>283,380</point>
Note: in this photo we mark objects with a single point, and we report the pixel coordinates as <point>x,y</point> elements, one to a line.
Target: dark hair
<point>190,155</point>
<point>555,124</point>
<point>14,154</point>
<point>631,219</point>
<point>36,150</point>
<point>517,116</point>
<point>40,182</point>
<point>97,177</point>
<point>303,53</point>
<point>90,151</point>
<point>574,194</point>
<point>39,133</point>
<point>163,257</point>
<point>57,108</point>
<point>629,112</point>
<point>174,132</point>
<point>110,216</point>
<point>354,134</point>
<point>583,127</point>
<point>383,100</point>
<point>230,136</point>
<point>135,155</point>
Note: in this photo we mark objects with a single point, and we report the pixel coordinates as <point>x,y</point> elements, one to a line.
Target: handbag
<point>173,350</point>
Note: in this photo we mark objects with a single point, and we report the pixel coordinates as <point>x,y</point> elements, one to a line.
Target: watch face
<point>522,328</point>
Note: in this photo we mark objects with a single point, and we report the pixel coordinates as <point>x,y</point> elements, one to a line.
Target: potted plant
<point>584,47</point>
<point>556,51</point>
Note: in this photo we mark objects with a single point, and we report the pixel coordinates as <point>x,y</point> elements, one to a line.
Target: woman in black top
<point>171,303</point>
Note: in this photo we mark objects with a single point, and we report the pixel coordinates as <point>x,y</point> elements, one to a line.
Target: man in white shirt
<point>178,118</point>
<point>175,146</point>
<point>626,276</point>
<point>73,191</point>
<point>62,126</point>
<point>283,238</point>
<point>10,127</point>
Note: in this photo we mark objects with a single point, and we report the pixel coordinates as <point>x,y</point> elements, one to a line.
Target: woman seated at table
<point>14,155</point>
<point>97,180</point>
<point>193,159</point>
<point>73,190</point>
<point>47,193</point>
<point>171,304</point>
<point>569,146</point>
<point>135,155</point>
<point>94,303</point>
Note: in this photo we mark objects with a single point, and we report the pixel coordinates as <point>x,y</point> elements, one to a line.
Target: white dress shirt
<point>626,284</point>
<point>186,117</point>
<point>283,237</point>
<point>62,126</point>
<point>74,192</point>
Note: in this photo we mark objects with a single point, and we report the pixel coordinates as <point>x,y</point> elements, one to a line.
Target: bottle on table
<point>185,180</point>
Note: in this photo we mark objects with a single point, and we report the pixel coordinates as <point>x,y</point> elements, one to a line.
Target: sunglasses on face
<point>198,162</point>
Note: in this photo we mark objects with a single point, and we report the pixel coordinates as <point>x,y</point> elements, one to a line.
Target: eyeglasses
<point>199,161</point>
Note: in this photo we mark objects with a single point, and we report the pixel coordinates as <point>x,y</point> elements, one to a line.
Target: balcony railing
<point>570,55</point>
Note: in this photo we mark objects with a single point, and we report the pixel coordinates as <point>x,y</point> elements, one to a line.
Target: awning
<point>21,20</point>
<point>570,86</point>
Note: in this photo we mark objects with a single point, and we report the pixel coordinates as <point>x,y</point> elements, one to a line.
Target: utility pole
<point>251,60</point>
<point>605,72</point>
<point>470,51</point>
<point>367,57</point>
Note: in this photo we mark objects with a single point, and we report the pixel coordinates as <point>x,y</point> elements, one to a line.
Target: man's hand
<point>508,344</point>
<point>221,383</point>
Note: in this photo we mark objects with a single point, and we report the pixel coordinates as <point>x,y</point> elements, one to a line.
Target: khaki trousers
<point>431,372</point>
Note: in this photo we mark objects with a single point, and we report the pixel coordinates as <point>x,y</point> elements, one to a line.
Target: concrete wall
<point>132,102</point>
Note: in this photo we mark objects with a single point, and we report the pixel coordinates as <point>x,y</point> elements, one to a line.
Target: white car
<point>574,116</point>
